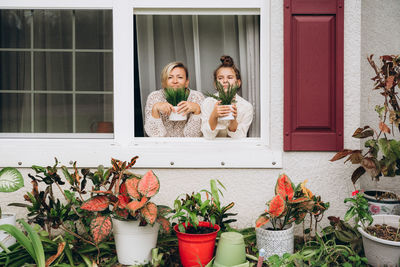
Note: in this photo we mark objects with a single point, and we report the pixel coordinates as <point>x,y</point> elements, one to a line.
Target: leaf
<point>276,206</point>
<point>149,185</point>
<point>298,200</point>
<point>149,212</point>
<point>131,187</point>
<point>166,226</point>
<point>67,175</point>
<point>284,187</point>
<point>341,154</point>
<point>60,249</point>
<point>355,157</point>
<point>261,221</point>
<point>36,244</point>
<point>122,213</point>
<point>389,82</point>
<point>136,204</point>
<point>357,174</point>
<point>10,180</point>
<point>383,127</point>
<point>370,166</point>
<point>97,203</point>
<point>101,228</point>
<point>20,237</point>
<point>363,132</point>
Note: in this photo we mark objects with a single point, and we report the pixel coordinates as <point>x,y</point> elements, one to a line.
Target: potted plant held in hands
<point>197,226</point>
<point>381,160</point>
<point>226,96</point>
<point>274,228</point>
<point>10,181</point>
<point>125,206</point>
<point>174,97</point>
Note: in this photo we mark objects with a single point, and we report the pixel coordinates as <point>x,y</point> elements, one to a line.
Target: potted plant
<point>382,156</point>
<point>197,226</point>
<point>174,97</point>
<point>124,206</point>
<point>380,233</point>
<point>226,96</point>
<point>10,181</point>
<point>274,228</point>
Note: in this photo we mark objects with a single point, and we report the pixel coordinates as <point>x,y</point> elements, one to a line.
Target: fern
<point>175,96</point>
<point>225,96</point>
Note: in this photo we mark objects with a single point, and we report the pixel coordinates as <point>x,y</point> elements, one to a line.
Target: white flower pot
<point>229,117</point>
<point>174,116</point>
<point>379,207</point>
<point>6,238</point>
<point>380,252</point>
<point>133,242</point>
<point>275,242</point>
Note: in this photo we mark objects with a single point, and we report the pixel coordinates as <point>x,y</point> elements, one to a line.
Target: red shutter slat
<point>313,65</point>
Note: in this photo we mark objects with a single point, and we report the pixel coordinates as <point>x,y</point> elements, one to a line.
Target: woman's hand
<point>186,107</point>
<point>233,124</point>
<point>161,107</point>
<point>220,111</point>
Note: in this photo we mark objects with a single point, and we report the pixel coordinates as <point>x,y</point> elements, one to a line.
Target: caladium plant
<point>290,204</point>
<point>10,180</point>
<point>126,196</point>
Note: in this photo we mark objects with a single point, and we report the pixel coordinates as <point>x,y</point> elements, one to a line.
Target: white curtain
<point>199,41</point>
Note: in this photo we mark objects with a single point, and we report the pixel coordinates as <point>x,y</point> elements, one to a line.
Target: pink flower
<point>374,209</point>
<point>355,193</point>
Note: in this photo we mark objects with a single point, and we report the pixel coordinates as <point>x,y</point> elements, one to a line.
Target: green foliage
<point>175,96</point>
<point>10,180</point>
<point>194,208</point>
<point>226,96</point>
<point>358,210</point>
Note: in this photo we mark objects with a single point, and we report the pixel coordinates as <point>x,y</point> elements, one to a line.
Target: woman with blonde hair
<point>157,123</point>
<point>228,75</point>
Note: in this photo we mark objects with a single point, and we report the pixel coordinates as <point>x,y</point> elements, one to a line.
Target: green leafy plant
<point>195,208</point>
<point>10,180</point>
<point>358,209</point>
<point>290,204</point>
<point>382,155</point>
<point>175,96</point>
<point>226,96</point>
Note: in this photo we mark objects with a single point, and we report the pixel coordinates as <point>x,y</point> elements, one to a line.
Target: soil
<point>384,231</point>
<point>384,195</point>
<point>199,230</point>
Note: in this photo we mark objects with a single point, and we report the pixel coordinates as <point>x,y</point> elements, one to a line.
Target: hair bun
<point>226,61</point>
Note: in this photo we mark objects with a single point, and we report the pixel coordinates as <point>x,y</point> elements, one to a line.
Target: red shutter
<point>313,75</point>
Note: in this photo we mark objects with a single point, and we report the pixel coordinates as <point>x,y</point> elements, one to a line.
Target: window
<point>97,83</point>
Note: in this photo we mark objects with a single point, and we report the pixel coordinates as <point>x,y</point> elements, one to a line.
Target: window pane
<point>16,113</point>
<point>15,71</point>
<point>52,28</point>
<point>94,71</point>
<point>15,28</point>
<point>53,71</point>
<point>53,113</point>
<point>94,113</point>
<point>93,29</point>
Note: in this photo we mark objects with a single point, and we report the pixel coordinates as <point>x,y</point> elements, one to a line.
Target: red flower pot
<point>196,249</point>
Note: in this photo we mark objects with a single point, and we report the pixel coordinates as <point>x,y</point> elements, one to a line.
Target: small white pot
<point>174,116</point>
<point>381,252</point>
<point>133,242</point>
<point>229,117</point>
<point>275,242</point>
<point>6,238</point>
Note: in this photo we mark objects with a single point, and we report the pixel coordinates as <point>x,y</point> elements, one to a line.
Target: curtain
<point>199,41</point>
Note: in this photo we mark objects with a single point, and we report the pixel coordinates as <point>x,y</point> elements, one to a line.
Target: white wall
<point>251,188</point>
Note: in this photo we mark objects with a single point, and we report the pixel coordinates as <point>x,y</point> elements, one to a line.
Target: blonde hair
<point>167,70</point>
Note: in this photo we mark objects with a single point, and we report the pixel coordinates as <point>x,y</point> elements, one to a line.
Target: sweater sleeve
<point>154,127</point>
<point>193,125</point>
<point>206,110</point>
<point>245,117</point>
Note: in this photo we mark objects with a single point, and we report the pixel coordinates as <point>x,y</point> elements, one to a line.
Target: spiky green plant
<point>175,96</point>
<point>225,96</point>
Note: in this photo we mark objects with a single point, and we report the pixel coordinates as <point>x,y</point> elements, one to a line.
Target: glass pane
<point>93,29</point>
<point>53,113</point>
<point>94,72</point>
<point>52,28</point>
<point>53,71</point>
<point>15,113</point>
<point>15,71</point>
<point>15,28</point>
<point>94,113</point>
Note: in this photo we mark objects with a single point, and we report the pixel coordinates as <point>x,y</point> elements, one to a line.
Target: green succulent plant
<point>175,96</point>
<point>225,96</point>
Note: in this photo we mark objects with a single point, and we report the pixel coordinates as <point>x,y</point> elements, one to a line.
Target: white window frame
<point>90,150</point>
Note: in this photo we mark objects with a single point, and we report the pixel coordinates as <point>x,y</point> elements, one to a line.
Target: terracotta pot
<point>196,249</point>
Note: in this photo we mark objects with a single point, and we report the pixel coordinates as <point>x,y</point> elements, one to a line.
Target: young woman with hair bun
<point>227,74</point>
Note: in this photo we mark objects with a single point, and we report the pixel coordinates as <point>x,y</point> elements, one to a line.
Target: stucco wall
<point>380,35</point>
<point>251,188</point>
